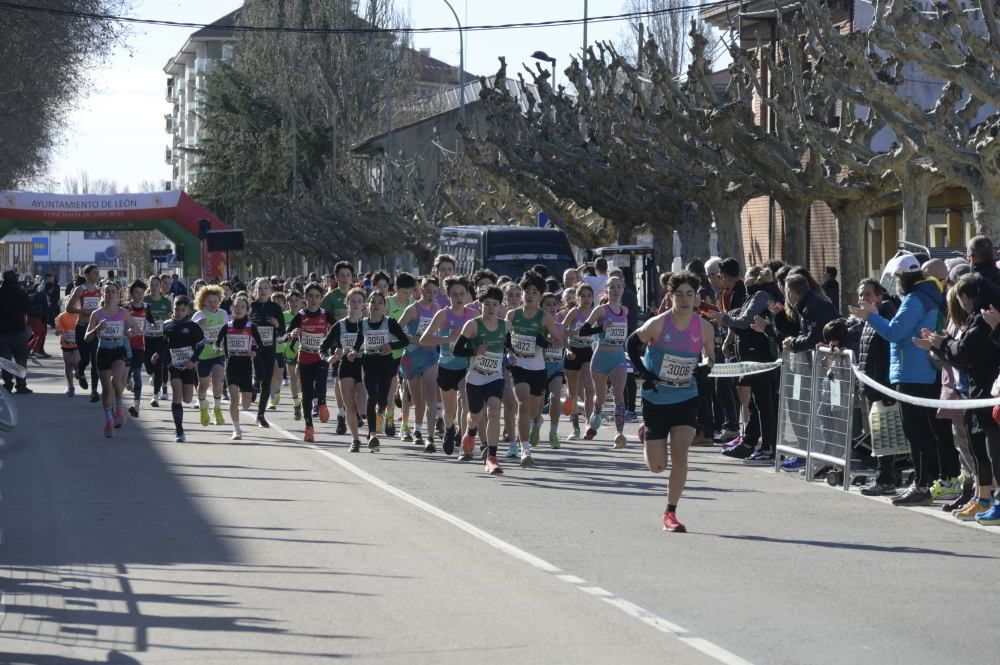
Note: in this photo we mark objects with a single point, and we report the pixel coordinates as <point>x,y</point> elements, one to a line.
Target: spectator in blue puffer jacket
<point>911,373</point>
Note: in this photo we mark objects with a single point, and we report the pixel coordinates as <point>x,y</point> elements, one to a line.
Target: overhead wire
<point>14,6</point>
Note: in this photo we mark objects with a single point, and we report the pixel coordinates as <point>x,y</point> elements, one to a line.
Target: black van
<point>507,250</point>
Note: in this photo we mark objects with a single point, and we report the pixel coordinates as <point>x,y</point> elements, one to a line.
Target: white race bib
<point>523,345</point>
<point>69,337</point>
<point>677,370</point>
<point>154,329</point>
<point>615,333</point>
<point>113,330</point>
<point>140,325</point>
<point>90,303</point>
<point>266,334</point>
<point>553,355</point>
<point>488,364</point>
<point>347,341</point>
<point>375,340</point>
<point>212,333</point>
<point>181,356</point>
<point>311,342</point>
<point>238,345</point>
<point>425,322</point>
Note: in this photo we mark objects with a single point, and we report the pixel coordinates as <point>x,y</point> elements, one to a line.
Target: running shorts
<point>606,361</point>
<point>239,372</point>
<point>479,395</point>
<point>537,379</point>
<point>205,366</point>
<point>581,356</point>
<point>106,357</point>
<point>659,419</point>
<point>450,379</point>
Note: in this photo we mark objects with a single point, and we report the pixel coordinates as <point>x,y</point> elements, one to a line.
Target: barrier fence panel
<point>833,412</point>
<point>795,414</point>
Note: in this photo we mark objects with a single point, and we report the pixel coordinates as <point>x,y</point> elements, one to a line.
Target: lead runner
<point>674,342</point>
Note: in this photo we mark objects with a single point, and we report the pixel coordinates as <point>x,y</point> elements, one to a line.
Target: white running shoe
<point>526,460</point>
<point>514,450</point>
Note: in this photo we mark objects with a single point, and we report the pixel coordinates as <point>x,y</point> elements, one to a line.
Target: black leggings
<point>378,371</point>
<point>984,439</point>
<point>88,355</point>
<point>263,372</point>
<point>932,444</point>
<point>153,346</point>
<point>763,422</point>
<point>310,375</point>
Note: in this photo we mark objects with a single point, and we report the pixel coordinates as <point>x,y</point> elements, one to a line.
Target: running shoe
<point>164,395</point>
<point>69,392</point>
<point>968,492</point>
<point>990,517</point>
<point>793,464</point>
<point>879,489</point>
<point>324,413</point>
<point>83,380</point>
<point>527,461</point>
<point>23,390</point>
<point>275,400</point>
<point>119,416</point>
<point>134,411</point>
<point>631,417</point>
<point>180,438</point>
<point>760,458</point>
<point>534,436</point>
<point>309,434</point>
<point>129,382</point>
<point>154,403</point>
<point>379,421</point>
<point>730,443</point>
<point>567,408</point>
<point>702,440</point>
<point>595,422</point>
<point>109,429</point>
<point>262,422</point>
<point>971,509</point>
<point>468,444</point>
<point>204,415</point>
<point>297,413</point>
<point>430,447</point>
<point>315,413</point>
<point>390,427</point>
<point>219,420</point>
<point>448,445</point>
<point>237,436</point>
<point>914,496</point>
<point>373,446</point>
<point>738,452</point>
<point>554,442</point>
<point>439,426</point>
<point>514,450</point>
<point>355,446</point>
<point>94,397</point>
<point>284,381</point>
<point>620,441</point>
<point>493,466</point>
<point>946,490</point>
<point>341,423</point>
<point>407,434</point>
<point>418,439</point>
<point>670,523</point>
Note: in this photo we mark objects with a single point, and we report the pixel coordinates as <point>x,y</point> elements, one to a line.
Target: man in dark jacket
<point>814,313</point>
<point>14,306</point>
<point>831,287</point>
<point>980,254</point>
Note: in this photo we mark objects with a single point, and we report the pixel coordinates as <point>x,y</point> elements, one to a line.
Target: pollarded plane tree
<point>951,132</point>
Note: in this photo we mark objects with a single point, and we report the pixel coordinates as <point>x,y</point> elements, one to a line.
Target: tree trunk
<point>795,215</point>
<point>916,190</point>
<point>663,235</point>
<point>693,229</point>
<point>726,212</point>
<point>851,240</point>
<point>986,211</point>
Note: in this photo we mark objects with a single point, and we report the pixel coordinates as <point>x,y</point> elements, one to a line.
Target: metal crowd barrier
<point>816,412</point>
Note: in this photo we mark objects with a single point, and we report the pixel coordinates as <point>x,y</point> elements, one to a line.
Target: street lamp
<point>542,55</point>
<point>461,63</point>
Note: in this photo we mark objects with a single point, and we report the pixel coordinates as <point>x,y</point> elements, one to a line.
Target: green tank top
<point>290,349</point>
<point>210,324</point>
<point>160,309</point>
<point>493,339</point>
<point>336,302</point>
<point>395,310</point>
<point>523,332</point>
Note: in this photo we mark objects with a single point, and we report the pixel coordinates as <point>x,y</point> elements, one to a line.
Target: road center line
<point>631,609</point>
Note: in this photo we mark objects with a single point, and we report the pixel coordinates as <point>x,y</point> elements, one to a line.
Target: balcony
<point>168,155</point>
<point>168,120</point>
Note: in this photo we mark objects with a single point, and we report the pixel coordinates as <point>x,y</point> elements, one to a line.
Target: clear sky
<point>117,131</point>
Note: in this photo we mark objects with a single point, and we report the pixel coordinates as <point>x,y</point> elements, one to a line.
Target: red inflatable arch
<point>175,214</point>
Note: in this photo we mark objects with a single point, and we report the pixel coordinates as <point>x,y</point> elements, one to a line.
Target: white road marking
<point>631,609</point>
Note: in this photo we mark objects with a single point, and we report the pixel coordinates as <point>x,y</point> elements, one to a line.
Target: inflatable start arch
<point>174,214</point>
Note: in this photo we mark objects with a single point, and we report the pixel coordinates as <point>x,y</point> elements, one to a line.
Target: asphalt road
<point>269,551</point>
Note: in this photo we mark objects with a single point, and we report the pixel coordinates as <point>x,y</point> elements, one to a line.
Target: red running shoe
<point>309,435</point>
<point>324,413</point>
<point>493,466</point>
<point>670,523</point>
<point>468,444</point>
